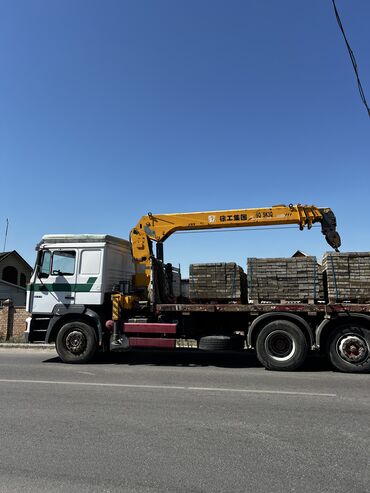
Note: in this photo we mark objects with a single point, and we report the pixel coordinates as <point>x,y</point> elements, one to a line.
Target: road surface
<point>154,422</point>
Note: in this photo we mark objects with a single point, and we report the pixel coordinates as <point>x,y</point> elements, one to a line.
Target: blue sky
<point>112,109</point>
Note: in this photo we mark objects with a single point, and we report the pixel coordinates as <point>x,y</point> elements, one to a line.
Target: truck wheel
<point>281,346</point>
<point>76,342</point>
<point>349,349</point>
<point>221,343</point>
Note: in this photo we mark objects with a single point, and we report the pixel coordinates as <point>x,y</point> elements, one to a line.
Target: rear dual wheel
<point>281,346</point>
<point>349,348</point>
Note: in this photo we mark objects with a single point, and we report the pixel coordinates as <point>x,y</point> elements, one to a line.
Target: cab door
<point>55,282</point>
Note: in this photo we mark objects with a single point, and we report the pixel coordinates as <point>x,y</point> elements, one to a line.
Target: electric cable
<point>353,59</point>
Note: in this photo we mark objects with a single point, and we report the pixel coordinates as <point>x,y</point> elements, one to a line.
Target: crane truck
<point>92,293</point>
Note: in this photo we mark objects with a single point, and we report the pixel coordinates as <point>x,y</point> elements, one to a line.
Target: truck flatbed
<point>309,308</point>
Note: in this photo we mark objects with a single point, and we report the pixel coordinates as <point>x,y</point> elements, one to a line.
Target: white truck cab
<point>74,274</point>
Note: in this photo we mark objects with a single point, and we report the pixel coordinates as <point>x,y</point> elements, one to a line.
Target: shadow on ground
<point>188,357</point>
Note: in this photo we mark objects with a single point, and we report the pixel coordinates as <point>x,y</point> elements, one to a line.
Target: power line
<point>352,57</point>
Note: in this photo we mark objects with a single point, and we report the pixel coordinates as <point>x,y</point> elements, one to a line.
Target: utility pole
<point>6,233</point>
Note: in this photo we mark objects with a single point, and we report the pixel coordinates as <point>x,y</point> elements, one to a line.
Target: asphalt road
<point>180,422</point>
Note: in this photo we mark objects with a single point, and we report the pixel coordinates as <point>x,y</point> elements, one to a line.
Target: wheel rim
<point>280,345</point>
<point>76,342</point>
<point>353,348</point>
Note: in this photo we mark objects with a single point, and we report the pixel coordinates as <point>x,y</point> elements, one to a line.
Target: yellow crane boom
<point>158,227</point>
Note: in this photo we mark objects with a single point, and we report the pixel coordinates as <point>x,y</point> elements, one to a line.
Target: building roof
<point>4,255</point>
<point>299,253</point>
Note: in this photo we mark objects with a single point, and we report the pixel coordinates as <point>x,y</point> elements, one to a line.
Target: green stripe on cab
<point>63,286</point>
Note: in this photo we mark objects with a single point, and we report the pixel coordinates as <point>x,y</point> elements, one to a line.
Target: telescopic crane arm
<point>158,227</point>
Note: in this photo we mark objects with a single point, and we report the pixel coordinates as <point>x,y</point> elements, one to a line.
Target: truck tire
<point>221,343</point>
<point>76,342</point>
<point>281,346</point>
<point>349,348</point>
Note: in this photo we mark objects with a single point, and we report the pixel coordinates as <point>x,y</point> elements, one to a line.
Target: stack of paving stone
<point>218,282</point>
<point>347,276</point>
<point>176,282</point>
<point>295,279</point>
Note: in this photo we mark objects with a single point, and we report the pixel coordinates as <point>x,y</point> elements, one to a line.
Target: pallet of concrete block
<point>275,280</point>
<point>176,282</point>
<point>347,276</point>
<point>222,281</point>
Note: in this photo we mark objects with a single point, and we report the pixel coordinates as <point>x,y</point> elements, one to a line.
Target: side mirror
<point>42,275</point>
<point>43,264</point>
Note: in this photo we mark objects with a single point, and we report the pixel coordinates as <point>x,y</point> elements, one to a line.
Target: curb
<point>25,345</point>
